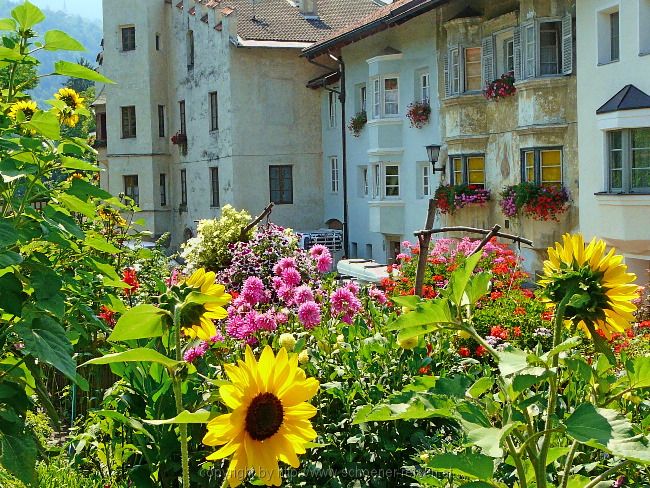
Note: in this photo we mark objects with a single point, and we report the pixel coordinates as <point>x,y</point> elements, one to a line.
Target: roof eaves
<point>396,16</point>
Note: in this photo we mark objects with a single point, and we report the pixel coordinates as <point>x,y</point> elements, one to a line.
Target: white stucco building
<point>210,107</point>
<point>614,125</point>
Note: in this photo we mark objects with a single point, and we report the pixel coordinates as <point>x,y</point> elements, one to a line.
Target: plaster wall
<point>623,220</point>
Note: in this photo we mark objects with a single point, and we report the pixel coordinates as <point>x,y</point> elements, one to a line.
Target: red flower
<point>130,278</point>
<point>495,295</point>
<point>480,351</point>
<point>645,323</point>
<point>500,332</point>
<point>547,315</point>
<point>520,311</point>
<point>425,369</point>
<point>429,349</point>
<point>463,352</point>
<point>516,331</point>
<point>528,293</point>
<point>107,315</point>
<point>630,333</point>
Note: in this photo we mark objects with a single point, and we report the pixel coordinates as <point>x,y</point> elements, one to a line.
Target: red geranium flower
<point>107,315</point>
<point>520,311</point>
<point>463,352</point>
<point>130,278</point>
<point>480,351</point>
<point>495,295</point>
<point>425,369</point>
<point>516,331</point>
<point>500,332</point>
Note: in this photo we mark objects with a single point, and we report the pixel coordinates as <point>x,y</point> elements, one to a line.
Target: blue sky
<point>90,9</point>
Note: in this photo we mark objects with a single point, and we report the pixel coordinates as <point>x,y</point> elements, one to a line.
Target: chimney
<point>308,8</point>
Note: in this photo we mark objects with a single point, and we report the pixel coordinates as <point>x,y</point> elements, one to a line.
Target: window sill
<point>386,202</point>
<point>644,53</point>
<point>606,63</point>
<point>546,81</point>
<point>623,199</point>
<point>396,120</point>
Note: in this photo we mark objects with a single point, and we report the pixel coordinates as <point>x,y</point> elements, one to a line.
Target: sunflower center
<point>264,416</point>
<point>191,314</point>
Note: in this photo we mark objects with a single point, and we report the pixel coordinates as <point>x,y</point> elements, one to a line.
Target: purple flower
<point>309,314</point>
<point>343,301</point>
<point>377,295</point>
<point>284,263</point>
<point>193,353</point>
<point>266,321</point>
<point>302,294</point>
<point>352,286</point>
<point>324,263</point>
<point>254,291</point>
<point>318,250</point>
<point>291,277</point>
<point>620,481</point>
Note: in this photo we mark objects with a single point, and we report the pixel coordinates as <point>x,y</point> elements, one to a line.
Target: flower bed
<point>503,87</point>
<point>539,202</point>
<point>450,198</point>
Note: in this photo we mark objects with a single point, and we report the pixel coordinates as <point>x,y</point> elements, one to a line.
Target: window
<point>467,170</point>
<point>364,184</point>
<point>163,189</point>
<point>644,22</point>
<point>281,184</point>
<point>391,181</point>
<point>614,49</point>
<point>508,56</point>
<point>161,121</point>
<point>354,249</point>
<point>369,251</point>
<point>376,98</point>
<point>214,111</point>
<point>543,48</point>
<point>190,50</point>
<point>128,122</point>
<point>214,187</point>
<point>425,87</point>
<point>425,178</point>
<point>472,69</point>
<point>454,62</point>
<point>376,187</point>
<point>101,126</point>
<point>391,96</point>
<point>181,111</point>
<point>542,166</point>
<point>363,98</point>
<point>334,174</point>
<point>629,160</point>
<point>332,108</point>
<point>131,188</point>
<point>158,42</point>
<point>128,38</point>
<point>183,188</point>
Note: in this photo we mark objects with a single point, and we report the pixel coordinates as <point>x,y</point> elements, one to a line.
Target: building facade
<point>614,126</point>
<point>448,52</point>
<point>210,108</point>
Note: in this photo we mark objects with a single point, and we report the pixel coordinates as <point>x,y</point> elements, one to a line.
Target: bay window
<point>629,161</point>
<point>543,47</point>
<point>386,181</point>
<point>385,97</point>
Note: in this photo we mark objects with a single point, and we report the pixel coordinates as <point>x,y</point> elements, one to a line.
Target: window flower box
<point>357,123</point>
<point>179,139</point>
<point>450,198</point>
<point>539,202</point>
<point>504,87</point>
<point>419,113</point>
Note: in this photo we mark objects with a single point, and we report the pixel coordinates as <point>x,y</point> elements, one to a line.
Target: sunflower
<point>27,107</point>
<point>197,318</point>
<point>269,419</point>
<point>600,288</point>
<point>73,102</point>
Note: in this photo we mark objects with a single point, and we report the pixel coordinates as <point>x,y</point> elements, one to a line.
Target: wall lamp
<point>433,152</point>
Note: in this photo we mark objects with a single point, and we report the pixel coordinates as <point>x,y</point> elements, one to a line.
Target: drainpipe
<point>344,156</point>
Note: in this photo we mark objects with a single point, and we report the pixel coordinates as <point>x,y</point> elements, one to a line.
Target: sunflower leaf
<point>185,417</point>
<point>137,355</point>
<point>141,322</point>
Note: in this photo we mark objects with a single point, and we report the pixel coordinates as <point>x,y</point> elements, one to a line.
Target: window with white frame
<point>504,53</point>
<point>629,160</point>
<point>608,35</point>
<point>376,98</point>
<point>131,188</point>
<point>391,181</point>
<point>472,69</point>
<point>362,98</point>
<point>385,93</point>
<point>543,47</point>
<point>644,22</point>
<point>467,169</point>
<point>331,103</point>
<point>426,189</point>
<point>542,166</point>
<point>425,87</point>
<point>365,184</point>
<point>463,70</point>
<point>334,174</point>
<point>453,78</point>
<point>376,180</point>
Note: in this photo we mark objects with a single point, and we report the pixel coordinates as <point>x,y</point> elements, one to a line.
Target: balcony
<point>386,216</point>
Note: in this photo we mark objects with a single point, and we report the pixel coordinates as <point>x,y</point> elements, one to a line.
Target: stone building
<point>210,107</point>
<point>614,126</point>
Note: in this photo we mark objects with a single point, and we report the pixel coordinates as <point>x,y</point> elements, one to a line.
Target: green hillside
<point>86,31</point>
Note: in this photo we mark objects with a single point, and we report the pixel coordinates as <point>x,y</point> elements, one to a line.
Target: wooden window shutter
<point>487,60</point>
<point>567,45</point>
<point>516,48</point>
<point>445,62</point>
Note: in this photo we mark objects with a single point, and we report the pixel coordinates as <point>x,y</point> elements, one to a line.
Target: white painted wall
<point>622,220</point>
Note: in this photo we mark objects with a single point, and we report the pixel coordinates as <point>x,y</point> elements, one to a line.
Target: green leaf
<point>478,286</point>
<point>638,372</point>
<point>481,386</point>
<point>512,361</point>
<point>8,235</point>
<point>418,406</point>
<point>609,431</point>
<point>74,70</point>
<point>46,286</point>
<point>487,438</point>
<point>105,269</point>
<point>120,417</point>
<point>46,123</point>
<point>139,354</point>
<point>101,244</point>
<point>80,164</point>
<point>27,15</point>
<point>45,338</point>
<point>570,343</point>
<point>141,322</point>
<point>82,189</point>
<point>459,278</point>
<point>475,466</point>
<point>7,54</point>
<point>426,313</point>
<point>56,40</point>
<point>11,294</point>
<point>77,205</point>
<point>409,301</point>
<point>9,258</point>
<point>578,481</point>
<point>185,417</point>
<point>7,24</point>
<point>18,452</point>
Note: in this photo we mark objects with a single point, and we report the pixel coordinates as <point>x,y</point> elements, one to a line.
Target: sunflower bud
<point>288,341</point>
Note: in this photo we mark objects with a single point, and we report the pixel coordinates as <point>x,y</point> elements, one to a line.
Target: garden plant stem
<point>178,396</point>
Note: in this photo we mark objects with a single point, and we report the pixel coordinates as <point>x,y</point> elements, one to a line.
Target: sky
<point>90,9</point>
